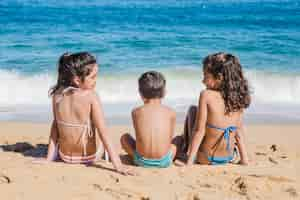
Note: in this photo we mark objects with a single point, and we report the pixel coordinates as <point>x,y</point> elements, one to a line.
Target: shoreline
<point>120,113</point>
<point>123,119</point>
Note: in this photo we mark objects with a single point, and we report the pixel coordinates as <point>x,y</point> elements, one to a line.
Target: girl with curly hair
<point>215,127</point>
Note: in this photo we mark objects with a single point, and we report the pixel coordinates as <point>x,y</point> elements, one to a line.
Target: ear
<point>220,77</point>
<point>76,80</point>
<point>142,97</point>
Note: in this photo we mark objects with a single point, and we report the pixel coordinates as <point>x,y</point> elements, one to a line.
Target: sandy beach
<point>39,39</point>
<point>274,150</point>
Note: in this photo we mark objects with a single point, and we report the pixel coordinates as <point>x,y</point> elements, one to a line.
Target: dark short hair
<point>152,85</point>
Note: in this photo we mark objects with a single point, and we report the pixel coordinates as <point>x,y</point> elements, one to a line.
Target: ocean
<point>131,37</point>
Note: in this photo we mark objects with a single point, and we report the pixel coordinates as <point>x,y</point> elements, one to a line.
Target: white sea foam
<point>19,89</point>
<point>182,85</point>
<point>24,97</point>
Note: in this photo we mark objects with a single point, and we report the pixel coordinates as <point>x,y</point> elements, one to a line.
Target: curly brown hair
<point>233,86</point>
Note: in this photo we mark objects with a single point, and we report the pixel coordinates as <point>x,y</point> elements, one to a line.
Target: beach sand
<point>274,150</point>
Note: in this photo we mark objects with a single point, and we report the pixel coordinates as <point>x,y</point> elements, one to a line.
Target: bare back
<point>213,142</point>
<point>74,107</point>
<point>154,126</point>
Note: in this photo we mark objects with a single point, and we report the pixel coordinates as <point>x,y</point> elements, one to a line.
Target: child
<point>216,125</point>
<point>154,125</point>
<point>78,113</point>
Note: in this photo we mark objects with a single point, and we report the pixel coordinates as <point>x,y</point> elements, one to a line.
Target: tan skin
<point>77,106</point>
<point>154,126</point>
<point>211,111</point>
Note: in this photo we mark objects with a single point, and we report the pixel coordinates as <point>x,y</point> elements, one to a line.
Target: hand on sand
<point>251,160</point>
<point>126,172</point>
<point>40,161</point>
<point>241,162</point>
<point>189,162</point>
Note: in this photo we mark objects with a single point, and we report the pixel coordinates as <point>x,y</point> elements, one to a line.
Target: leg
<point>52,153</point>
<point>189,127</point>
<point>128,144</point>
<point>175,146</point>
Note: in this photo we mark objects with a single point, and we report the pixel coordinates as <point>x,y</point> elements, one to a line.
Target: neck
<point>152,101</point>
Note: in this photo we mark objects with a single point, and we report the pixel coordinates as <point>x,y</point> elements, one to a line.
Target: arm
<point>173,124</point>
<point>51,155</point>
<point>133,118</point>
<point>199,131</point>
<point>98,121</point>
<point>240,138</point>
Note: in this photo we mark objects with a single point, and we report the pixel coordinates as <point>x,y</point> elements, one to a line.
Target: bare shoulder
<point>54,98</point>
<point>208,94</point>
<point>136,110</point>
<point>57,95</point>
<point>169,110</point>
<point>92,96</point>
<point>204,94</point>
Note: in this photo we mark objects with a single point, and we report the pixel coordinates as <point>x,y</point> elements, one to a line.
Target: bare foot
<point>179,163</point>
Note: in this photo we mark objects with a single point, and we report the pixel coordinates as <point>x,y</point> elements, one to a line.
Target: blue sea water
<point>130,37</point>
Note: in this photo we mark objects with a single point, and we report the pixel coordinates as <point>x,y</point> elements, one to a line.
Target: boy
<point>154,125</point>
